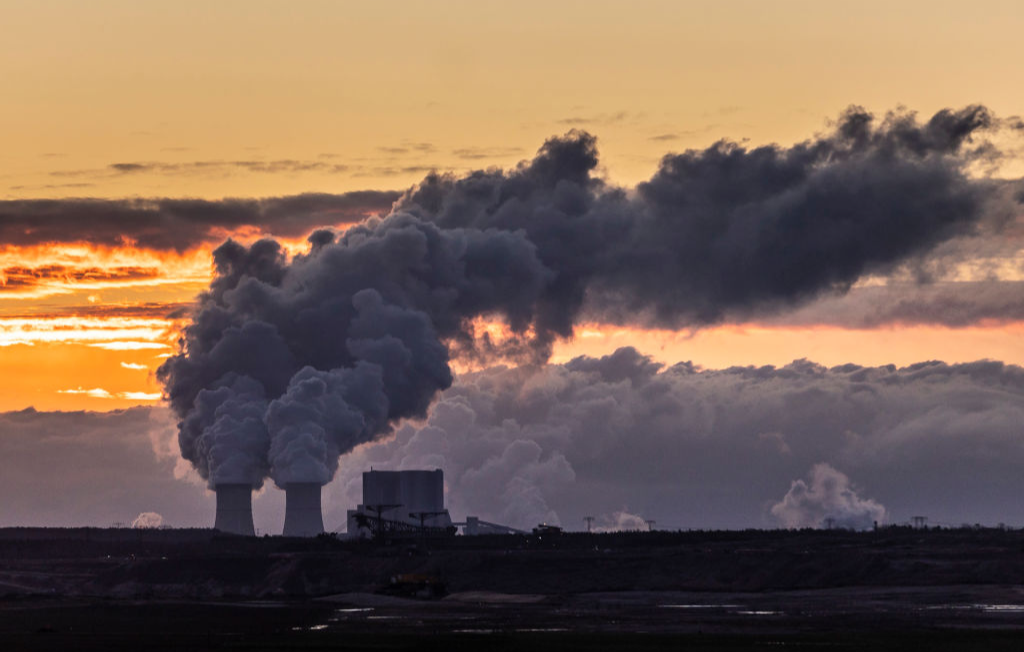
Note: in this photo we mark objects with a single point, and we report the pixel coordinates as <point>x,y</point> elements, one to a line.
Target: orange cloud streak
<point>755,344</point>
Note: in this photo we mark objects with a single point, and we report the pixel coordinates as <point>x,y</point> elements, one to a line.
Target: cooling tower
<point>302,515</point>
<point>234,509</point>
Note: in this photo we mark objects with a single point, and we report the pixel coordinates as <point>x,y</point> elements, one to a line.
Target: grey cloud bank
<point>739,447</point>
<point>618,438</point>
<point>948,304</point>
<point>178,224</point>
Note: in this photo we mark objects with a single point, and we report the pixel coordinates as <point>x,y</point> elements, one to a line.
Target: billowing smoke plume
<point>827,499</point>
<point>725,230</point>
<point>621,522</point>
<point>289,363</point>
<point>148,521</point>
<point>178,224</point>
<point>224,434</point>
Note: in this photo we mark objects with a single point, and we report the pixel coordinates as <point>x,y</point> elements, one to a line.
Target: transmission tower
<point>589,520</point>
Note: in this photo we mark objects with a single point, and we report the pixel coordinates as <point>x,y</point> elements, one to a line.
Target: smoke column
<point>827,495</point>
<point>289,363</point>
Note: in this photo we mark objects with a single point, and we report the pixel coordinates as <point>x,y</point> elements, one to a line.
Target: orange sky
<point>95,344</point>
<point>262,98</point>
<point>114,99</point>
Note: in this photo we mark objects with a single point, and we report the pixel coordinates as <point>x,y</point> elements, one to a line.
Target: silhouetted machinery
<point>378,522</point>
<point>416,585</point>
<point>401,504</point>
<point>473,526</point>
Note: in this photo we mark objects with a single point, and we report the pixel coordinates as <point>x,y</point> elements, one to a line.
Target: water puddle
<point>982,607</point>
<point>1002,608</point>
<point>699,606</point>
<point>731,608</point>
<point>759,613</point>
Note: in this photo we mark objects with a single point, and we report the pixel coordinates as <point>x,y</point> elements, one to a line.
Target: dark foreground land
<point>90,589</point>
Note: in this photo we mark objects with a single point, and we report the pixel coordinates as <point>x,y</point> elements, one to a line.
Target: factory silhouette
<point>292,360</point>
<point>394,502</point>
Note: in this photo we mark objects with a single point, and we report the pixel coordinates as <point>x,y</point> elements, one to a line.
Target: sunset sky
<point>139,136</point>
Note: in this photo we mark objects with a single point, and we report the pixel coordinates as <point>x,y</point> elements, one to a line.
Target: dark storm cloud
<point>178,224</point>
<point>715,232</point>
<point>148,309</point>
<point>53,186</point>
<point>408,148</point>
<point>392,170</point>
<point>677,135</point>
<point>481,153</point>
<point>699,449</point>
<point>597,119</point>
<point>726,230</point>
<point>948,304</point>
<point>128,168</point>
<point>278,166</point>
<point>21,278</point>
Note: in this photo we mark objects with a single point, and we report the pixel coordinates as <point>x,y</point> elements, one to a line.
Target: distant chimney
<point>234,509</point>
<point>302,515</point>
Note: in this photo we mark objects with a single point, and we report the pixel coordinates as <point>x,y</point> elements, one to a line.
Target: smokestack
<point>234,509</point>
<point>302,515</point>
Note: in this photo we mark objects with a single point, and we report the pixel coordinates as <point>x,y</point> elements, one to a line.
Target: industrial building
<point>400,500</point>
<point>394,502</point>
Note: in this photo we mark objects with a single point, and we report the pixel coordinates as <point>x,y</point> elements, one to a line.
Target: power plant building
<point>393,501</point>
<point>413,498</point>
